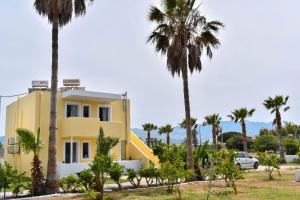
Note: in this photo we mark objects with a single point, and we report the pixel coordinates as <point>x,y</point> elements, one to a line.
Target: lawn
<point>255,186</point>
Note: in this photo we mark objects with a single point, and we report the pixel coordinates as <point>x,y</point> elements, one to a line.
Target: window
<point>86,111</point>
<point>72,110</point>
<point>104,113</point>
<point>85,150</point>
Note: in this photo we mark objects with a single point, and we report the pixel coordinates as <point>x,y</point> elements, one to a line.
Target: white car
<point>245,161</point>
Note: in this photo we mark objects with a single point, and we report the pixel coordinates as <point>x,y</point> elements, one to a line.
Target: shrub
<point>90,194</point>
<point>148,174</point>
<point>291,146</point>
<point>133,177</point>
<point>272,161</point>
<point>86,179</point>
<point>69,183</point>
<point>236,142</point>
<point>266,142</point>
<point>115,173</point>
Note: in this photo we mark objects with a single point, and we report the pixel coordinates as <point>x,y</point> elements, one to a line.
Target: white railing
<point>64,169</point>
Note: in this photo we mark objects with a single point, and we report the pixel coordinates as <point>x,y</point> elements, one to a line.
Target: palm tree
<point>59,13</point>
<point>148,128</point>
<point>194,126</point>
<point>240,115</point>
<point>183,34</point>
<point>214,121</point>
<point>30,143</point>
<point>275,105</point>
<point>166,130</point>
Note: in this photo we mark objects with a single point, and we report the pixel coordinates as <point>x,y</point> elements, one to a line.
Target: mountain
<point>1,139</point>
<point>178,135</point>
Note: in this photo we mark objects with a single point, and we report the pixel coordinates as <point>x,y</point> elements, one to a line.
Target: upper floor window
<point>86,111</point>
<point>104,113</point>
<point>72,110</point>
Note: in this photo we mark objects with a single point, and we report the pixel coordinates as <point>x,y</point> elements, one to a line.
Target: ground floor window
<point>86,150</point>
<point>71,152</point>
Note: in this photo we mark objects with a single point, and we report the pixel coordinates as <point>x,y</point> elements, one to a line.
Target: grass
<point>255,186</point>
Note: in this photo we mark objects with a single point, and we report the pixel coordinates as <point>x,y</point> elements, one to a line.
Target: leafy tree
<point>272,162</point>
<point>237,142</point>
<point>266,142</point>
<point>166,130</point>
<point>115,173</point>
<point>214,121</point>
<point>291,129</point>
<point>194,126</point>
<point>148,174</point>
<point>275,105</point>
<point>227,135</point>
<point>148,128</point>
<point>291,146</point>
<point>102,161</point>
<point>265,131</point>
<point>31,143</point>
<point>240,115</point>
<point>59,13</point>
<point>133,177</point>
<point>183,34</point>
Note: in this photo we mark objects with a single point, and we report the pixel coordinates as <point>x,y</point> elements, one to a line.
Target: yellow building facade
<point>80,114</point>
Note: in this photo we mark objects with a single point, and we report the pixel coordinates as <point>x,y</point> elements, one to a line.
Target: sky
<point>107,50</point>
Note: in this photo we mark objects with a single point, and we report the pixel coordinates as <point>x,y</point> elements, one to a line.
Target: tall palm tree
<point>240,115</point>
<point>194,127</point>
<point>167,129</point>
<point>214,121</point>
<point>275,105</point>
<point>59,13</point>
<point>183,34</point>
<point>31,143</point>
<point>148,128</point>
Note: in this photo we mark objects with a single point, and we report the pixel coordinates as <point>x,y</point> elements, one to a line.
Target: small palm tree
<point>275,105</point>
<point>30,143</point>
<point>184,35</point>
<point>148,128</point>
<point>194,129</point>
<point>166,130</point>
<point>59,13</point>
<point>214,121</point>
<point>240,115</point>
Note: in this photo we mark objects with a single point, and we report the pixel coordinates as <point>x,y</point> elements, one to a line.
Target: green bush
<point>236,142</point>
<point>296,161</point>
<point>115,173</point>
<point>266,142</point>
<point>69,183</point>
<point>291,146</point>
<point>133,177</point>
<point>271,161</point>
<point>148,174</point>
<point>86,179</point>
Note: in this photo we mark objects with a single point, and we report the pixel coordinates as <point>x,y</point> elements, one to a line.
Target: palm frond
<point>156,15</point>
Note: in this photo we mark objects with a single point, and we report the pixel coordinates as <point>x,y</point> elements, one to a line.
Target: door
<point>71,154</point>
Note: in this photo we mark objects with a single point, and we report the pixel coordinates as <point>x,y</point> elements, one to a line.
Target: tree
<point>227,135</point>
<point>194,126</point>
<point>266,142</point>
<point>214,121</point>
<point>275,105</point>
<point>291,146</point>
<point>148,128</point>
<point>166,130</point>
<point>240,115</point>
<point>102,161</point>
<point>59,13</point>
<point>237,142</point>
<point>271,161</point>
<point>30,143</point>
<point>291,129</point>
<point>183,34</point>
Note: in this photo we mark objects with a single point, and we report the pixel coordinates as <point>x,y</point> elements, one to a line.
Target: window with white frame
<point>104,113</point>
<point>72,110</point>
<point>86,153</point>
<point>86,111</point>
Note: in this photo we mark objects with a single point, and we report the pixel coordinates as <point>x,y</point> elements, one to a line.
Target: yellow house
<point>80,114</point>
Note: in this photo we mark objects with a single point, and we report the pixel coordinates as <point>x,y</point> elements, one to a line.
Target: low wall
<point>290,158</point>
<point>64,169</point>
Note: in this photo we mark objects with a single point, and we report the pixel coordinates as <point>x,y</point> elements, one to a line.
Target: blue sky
<point>107,50</point>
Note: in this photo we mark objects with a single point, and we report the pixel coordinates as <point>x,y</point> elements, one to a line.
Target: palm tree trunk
<point>148,139</point>
<point>279,132</point>
<point>51,182</point>
<point>195,140</point>
<point>190,157</point>
<point>168,139</point>
<point>214,137</point>
<point>244,136</point>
